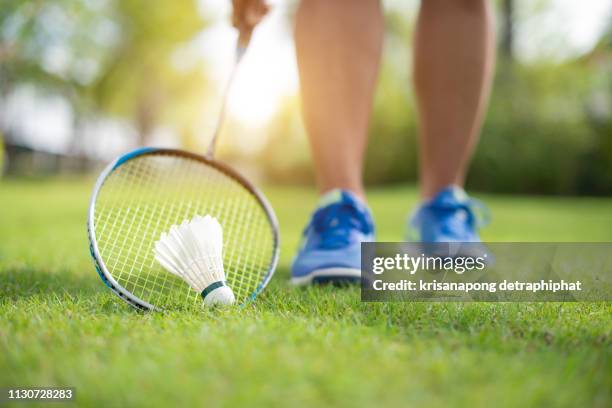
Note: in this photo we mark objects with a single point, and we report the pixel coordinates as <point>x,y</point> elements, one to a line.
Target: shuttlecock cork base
<point>193,252</point>
<point>217,292</point>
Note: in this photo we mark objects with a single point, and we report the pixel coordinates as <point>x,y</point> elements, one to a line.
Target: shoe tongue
<point>450,195</point>
<point>331,197</point>
<point>338,196</point>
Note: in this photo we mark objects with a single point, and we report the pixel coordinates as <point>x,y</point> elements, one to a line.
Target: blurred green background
<point>84,80</point>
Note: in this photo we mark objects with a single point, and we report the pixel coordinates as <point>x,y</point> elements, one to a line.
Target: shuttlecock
<point>193,251</point>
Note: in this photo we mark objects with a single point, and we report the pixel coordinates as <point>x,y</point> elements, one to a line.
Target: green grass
<point>59,326</point>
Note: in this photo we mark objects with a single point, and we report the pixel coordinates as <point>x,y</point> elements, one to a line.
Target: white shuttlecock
<point>193,251</point>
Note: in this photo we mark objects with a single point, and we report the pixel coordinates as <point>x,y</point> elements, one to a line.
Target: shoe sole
<point>328,275</point>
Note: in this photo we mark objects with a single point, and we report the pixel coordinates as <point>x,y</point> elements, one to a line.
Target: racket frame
<point>99,264</point>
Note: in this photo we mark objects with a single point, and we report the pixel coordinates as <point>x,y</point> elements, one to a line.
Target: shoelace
<point>481,215</point>
<point>335,223</point>
<point>477,212</point>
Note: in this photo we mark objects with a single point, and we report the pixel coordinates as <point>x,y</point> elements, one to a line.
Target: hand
<point>247,14</point>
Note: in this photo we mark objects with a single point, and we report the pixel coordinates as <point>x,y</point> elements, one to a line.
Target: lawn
<point>59,325</point>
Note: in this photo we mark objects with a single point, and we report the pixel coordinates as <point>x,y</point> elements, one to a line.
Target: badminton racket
<point>144,192</point>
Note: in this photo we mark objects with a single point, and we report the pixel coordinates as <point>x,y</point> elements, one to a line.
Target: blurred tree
<point>127,58</point>
<point>151,76</point>
<point>596,170</point>
<point>56,46</point>
<point>535,132</point>
<point>392,151</point>
<point>286,154</point>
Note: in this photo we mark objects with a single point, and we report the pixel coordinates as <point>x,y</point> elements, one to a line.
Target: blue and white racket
<point>143,193</point>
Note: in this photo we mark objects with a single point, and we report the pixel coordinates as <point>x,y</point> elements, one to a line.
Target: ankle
<point>334,195</point>
<point>356,192</point>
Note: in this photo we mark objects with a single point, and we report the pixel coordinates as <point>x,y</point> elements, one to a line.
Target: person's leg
<point>338,45</point>
<point>453,64</point>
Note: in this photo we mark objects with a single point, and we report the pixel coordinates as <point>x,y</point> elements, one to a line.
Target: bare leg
<point>454,58</point>
<point>338,46</point>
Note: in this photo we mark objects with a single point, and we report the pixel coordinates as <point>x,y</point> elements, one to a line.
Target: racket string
<point>144,197</point>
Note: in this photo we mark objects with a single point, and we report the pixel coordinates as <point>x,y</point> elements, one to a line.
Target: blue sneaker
<point>331,245</point>
<point>451,216</point>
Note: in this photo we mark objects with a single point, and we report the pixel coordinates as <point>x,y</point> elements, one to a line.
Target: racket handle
<point>241,48</point>
<point>240,51</point>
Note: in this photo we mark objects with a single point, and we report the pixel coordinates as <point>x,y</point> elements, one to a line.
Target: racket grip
<point>242,44</point>
<point>240,51</point>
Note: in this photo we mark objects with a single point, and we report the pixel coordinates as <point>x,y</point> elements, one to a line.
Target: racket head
<point>142,193</point>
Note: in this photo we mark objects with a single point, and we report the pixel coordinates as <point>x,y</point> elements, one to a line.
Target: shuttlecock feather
<point>193,251</point>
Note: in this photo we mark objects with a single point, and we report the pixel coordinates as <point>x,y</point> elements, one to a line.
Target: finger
<point>257,12</point>
<point>238,12</point>
<point>263,8</point>
<point>254,16</point>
